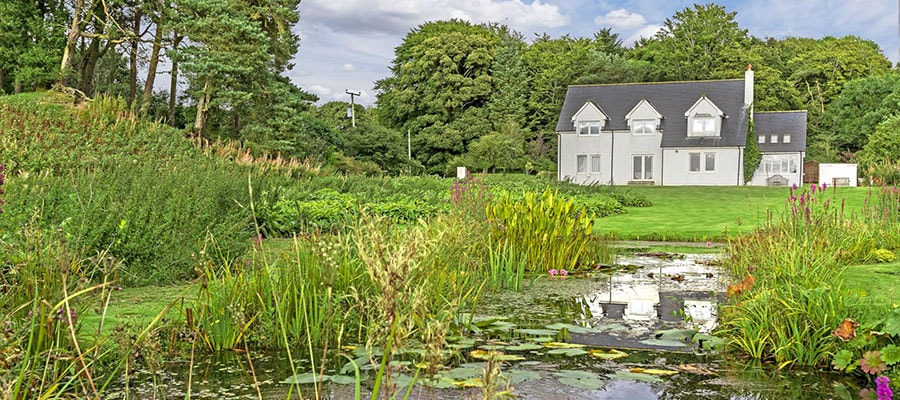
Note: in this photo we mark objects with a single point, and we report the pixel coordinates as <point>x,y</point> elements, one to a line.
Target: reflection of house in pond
<point>634,298</point>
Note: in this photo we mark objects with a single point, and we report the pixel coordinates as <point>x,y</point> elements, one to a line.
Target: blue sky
<point>349,44</point>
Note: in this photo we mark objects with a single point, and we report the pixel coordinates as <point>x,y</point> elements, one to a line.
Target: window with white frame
<point>762,139</point>
<point>643,126</point>
<point>778,164</point>
<point>595,164</point>
<point>694,161</point>
<point>709,164</point>
<point>703,125</point>
<point>589,127</point>
<point>773,138</point>
<point>582,164</point>
<point>642,167</point>
<point>786,138</point>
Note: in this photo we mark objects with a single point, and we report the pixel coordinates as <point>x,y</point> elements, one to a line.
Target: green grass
<point>693,213</point>
<point>137,307</point>
<point>876,282</point>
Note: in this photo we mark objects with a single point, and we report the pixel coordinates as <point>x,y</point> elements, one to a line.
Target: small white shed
<point>838,174</point>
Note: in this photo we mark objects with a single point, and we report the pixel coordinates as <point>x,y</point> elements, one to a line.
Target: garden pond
<point>639,330</point>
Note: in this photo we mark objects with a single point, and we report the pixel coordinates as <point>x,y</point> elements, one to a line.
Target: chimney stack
<point>748,86</point>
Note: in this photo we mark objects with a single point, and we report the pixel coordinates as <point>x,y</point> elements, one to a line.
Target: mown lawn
<point>695,213</point>
<point>876,282</point>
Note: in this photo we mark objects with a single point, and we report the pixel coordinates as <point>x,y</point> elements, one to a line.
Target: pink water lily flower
<point>563,272</point>
<point>553,272</point>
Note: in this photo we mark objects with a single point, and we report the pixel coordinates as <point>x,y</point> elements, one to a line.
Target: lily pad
<point>346,380</point>
<point>611,328</point>
<point>538,332</point>
<point>525,347</point>
<point>462,373</point>
<point>306,378</point>
<point>501,326</point>
<point>493,346</point>
<point>359,361</point>
<point>675,334</point>
<point>651,371</point>
<point>663,343</point>
<point>468,383</point>
<point>520,375</point>
<point>438,382</point>
<point>572,328</point>
<point>563,345</point>
<point>580,379</point>
<point>540,339</point>
<point>632,376</point>
<point>607,354</point>
<point>496,355</point>
<point>568,352</point>
<point>709,342</point>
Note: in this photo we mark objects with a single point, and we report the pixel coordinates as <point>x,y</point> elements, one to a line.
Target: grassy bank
<point>690,213</point>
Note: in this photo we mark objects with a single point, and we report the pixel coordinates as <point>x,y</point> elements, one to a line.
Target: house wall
<point>762,174</point>
<point>571,145</point>
<point>626,146</point>
<point>728,170</point>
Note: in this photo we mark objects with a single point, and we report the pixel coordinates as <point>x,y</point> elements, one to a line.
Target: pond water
<point>655,310</point>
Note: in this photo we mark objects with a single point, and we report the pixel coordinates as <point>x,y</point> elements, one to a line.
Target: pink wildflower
<point>563,272</point>
<point>553,272</point>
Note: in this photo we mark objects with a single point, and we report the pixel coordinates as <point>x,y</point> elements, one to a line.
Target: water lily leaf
<point>604,354</point>
<point>611,328</point>
<point>568,352</point>
<point>540,339</point>
<point>675,334</point>
<point>709,342</point>
<point>520,375</point>
<point>530,363</point>
<point>438,382</point>
<point>663,343</point>
<point>306,378</point>
<point>537,332</point>
<point>572,328</point>
<point>652,371</point>
<point>563,345</point>
<point>496,355</point>
<point>401,380</point>
<point>346,380</point>
<point>574,374</point>
<point>462,373</point>
<point>493,346</point>
<point>580,379</point>
<point>501,326</point>
<point>525,347</point>
<point>474,382</point>
<point>694,369</point>
<point>632,376</point>
<point>359,361</point>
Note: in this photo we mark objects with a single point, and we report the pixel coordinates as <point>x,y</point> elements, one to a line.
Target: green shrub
<point>600,206</point>
<point>152,217</point>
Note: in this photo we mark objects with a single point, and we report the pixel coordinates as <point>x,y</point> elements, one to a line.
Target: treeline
<point>480,95</point>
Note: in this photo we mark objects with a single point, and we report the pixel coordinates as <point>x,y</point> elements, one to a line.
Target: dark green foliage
<point>881,154</point>
<point>600,206</point>
<point>863,104</point>
<point>752,155</point>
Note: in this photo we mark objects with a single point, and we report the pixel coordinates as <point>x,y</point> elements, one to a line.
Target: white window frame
<point>581,167</point>
<point>598,165</point>
<point>773,164</point>
<point>645,175</point>
<point>773,138</point>
<point>762,139</point>
<point>703,125</point>
<point>586,128</point>
<point>707,164</point>
<point>786,138</point>
<point>691,156</point>
<point>643,126</point>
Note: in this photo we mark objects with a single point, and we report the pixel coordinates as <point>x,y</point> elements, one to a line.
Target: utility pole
<point>352,110</point>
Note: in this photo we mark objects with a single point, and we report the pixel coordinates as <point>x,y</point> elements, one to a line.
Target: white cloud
<point>399,16</point>
<point>348,68</point>
<point>621,20</point>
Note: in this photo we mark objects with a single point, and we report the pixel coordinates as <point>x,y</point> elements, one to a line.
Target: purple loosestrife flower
<point>883,388</point>
<point>793,187</point>
<point>813,188</point>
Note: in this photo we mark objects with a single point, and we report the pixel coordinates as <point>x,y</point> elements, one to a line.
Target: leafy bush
<point>600,206</point>
<point>152,217</point>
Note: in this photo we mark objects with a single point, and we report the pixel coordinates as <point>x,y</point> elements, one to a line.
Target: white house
<point>675,133</point>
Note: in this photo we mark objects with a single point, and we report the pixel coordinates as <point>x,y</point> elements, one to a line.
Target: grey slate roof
<point>672,100</point>
<point>780,123</point>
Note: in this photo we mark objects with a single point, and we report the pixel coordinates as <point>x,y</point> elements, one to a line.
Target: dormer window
<point>643,118</point>
<point>589,127</point>
<point>704,125</point>
<point>643,126</point>
<point>704,118</point>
